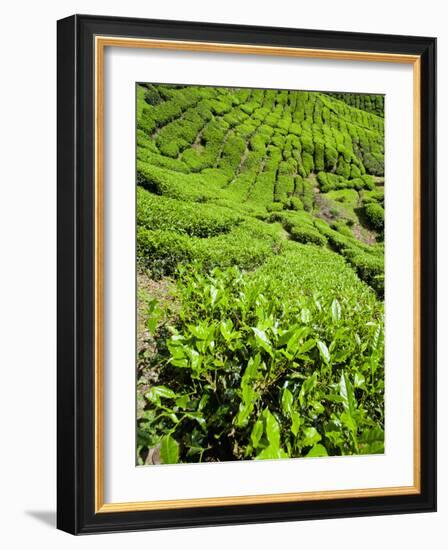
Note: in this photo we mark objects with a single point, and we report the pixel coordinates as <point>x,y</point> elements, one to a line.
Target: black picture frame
<point>76,271</point>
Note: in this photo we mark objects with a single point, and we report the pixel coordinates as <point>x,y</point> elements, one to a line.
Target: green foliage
<point>262,209</point>
<point>368,261</point>
<point>375,215</point>
<point>303,188</point>
<point>370,103</point>
<point>160,212</point>
<point>245,375</point>
<point>193,187</point>
<point>376,195</point>
<point>300,226</point>
<point>169,450</point>
<point>248,245</point>
<point>329,182</point>
<point>295,203</point>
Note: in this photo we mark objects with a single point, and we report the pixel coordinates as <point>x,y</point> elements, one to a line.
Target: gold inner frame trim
<point>101,42</point>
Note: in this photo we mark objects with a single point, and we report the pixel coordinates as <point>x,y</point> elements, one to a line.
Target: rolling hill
<point>260,254</point>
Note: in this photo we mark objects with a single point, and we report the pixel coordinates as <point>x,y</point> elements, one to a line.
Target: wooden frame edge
<point>100,507</point>
<point>99,278</point>
<point>417,270</point>
<point>254,499</point>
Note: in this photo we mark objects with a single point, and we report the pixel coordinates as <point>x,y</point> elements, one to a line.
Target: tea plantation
<point>260,258</point>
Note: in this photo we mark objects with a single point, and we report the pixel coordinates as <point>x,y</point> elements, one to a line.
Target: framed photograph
<point>246,274</point>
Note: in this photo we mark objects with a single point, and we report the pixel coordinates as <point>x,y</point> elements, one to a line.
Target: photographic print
<point>260,274</point>
<point>221,274</point>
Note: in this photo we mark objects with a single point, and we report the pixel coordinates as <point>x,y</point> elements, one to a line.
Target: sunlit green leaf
<point>307,386</point>
<point>305,315</point>
<point>169,450</point>
<point>182,401</point>
<point>156,392</point>
<point>307,346</point>
<point>272,429</point>
<point>336,310</point>
<point>296,422</point>
<point>271,453</point>
<point>310,436</point>
<point>325,354</point>
<point>359,381</point>
<point>262,340</point>
<point>317,450</point>
<point>287,401</point>
<point>266,327</point>
<point>198,417</point>
<point>257,432</point>
<point>348,395</point>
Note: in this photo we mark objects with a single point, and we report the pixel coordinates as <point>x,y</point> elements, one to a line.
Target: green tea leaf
<point>156,392</point>
<point>286,337</point>
<point>262,340</point>
<point>226,328</point>
<point>348,395</point>
<point>371,441</point>
<point>308,385</point>
<point>257,433</point>
<point>349,422</point>
<point>244,412</point>
<point>261,335</point>
<point>213,294</point>
<point>359,381</point>
<point>317,450</point>
<point>310,436</point>
<point>182,401</point>
<point>251,371</point>
<point>336,310</point>
<point>307,346</point>
<point>272,429</point>
<point>287,402</point>
<point>169,450</point>
<point>271,453</point>
<point>325,354</point>
<point>296,422</point>
<point>305,315</point>
<point>198,417</point>
<point>154,315</point>
<point>248,393</point>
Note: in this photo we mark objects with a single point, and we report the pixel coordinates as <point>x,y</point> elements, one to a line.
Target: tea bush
<point>260,215</point>
<point>160,212</point>
<point>248,245</point>
<point>370,103</point>
<point>244,375</point>
<point>375,215</point>
<point>368,261</point>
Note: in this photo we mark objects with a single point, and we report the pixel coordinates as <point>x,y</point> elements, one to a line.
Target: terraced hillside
<point>260,219</point>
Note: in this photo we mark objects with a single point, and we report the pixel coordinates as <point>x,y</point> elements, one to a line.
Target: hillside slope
<point>271,203</point>
<point>259,152</point>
